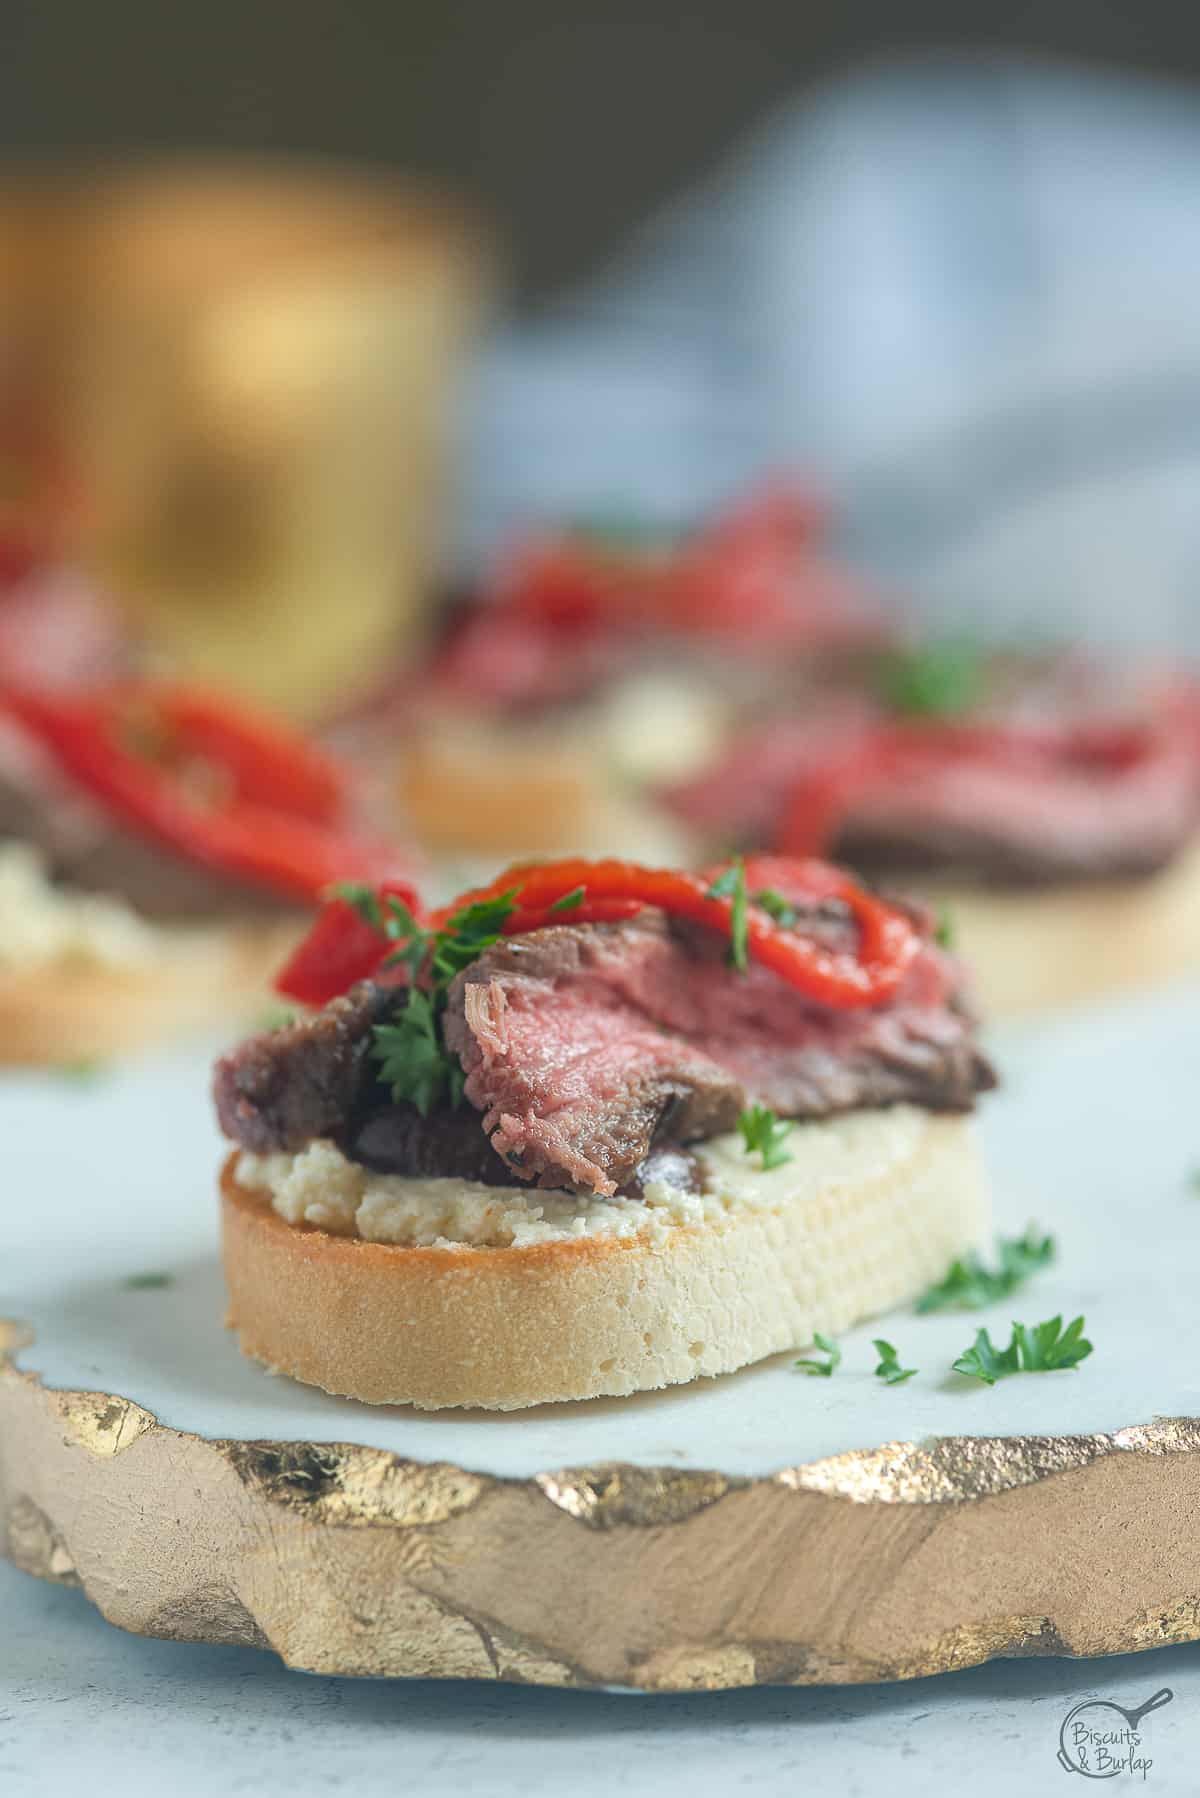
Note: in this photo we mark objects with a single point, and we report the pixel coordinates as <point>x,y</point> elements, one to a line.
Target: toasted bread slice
<point>62,1011</point>
<point>504,1297</point>
<point>1032,951</point>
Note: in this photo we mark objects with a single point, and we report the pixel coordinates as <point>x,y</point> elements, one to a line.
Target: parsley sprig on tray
<point>889,1369</point>
<point>824,1368</point>
<point>969,1285</point>
<point>411,1051</point>
<point>1032,1348</point>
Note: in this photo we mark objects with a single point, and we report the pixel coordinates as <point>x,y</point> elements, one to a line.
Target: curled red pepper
<point>208,780</point>
<point>842,979</point>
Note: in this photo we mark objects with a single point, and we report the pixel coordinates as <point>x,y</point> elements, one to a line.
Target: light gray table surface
<point>87,1709</point>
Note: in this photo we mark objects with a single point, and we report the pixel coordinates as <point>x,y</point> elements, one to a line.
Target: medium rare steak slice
<point>313,1078</point>
<point>594,1051</point>
<point>280,1090</point>
<point>1006,820</point>
<point>583,1043</point>
<point>396,1139</point>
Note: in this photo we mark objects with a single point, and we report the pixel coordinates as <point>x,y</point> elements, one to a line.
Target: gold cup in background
<point>246,369</point>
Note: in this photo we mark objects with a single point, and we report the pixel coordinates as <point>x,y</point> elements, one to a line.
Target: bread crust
<point>1032,951</point>
<point>62,1011</point>
<point>506,1327</point>
<point>455,785</point>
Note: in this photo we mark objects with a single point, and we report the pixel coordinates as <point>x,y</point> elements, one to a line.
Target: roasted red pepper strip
<point>588,911</point>
<point>341,949</point>
<point>268,763</point>
<point>253,842</point>
<point>840,979</point>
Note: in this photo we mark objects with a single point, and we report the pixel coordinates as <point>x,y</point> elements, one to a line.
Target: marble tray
<point>761,1527</point>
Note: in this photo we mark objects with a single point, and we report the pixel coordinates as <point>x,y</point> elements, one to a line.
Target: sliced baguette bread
<point>504,1298</point>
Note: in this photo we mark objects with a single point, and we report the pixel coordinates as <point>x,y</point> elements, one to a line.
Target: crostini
<point>160,849</point>
<point>596,1128</point>
<point>1048,809</point>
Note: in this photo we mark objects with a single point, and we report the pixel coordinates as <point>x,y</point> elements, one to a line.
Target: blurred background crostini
<point>419,446</point>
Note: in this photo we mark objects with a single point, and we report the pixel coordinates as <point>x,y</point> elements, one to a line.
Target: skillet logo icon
<point>1103,1740</point>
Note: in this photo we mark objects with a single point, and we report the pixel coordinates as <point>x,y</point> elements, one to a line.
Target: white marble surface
<point>1095,1137</point>
<point>104,1179</point>
<point>85,1709</point>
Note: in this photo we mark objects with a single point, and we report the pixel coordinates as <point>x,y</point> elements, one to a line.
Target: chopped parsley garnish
<point>413,1058</point>
<point>762,1131</point>
<point>934,682</point>
<point>823,1369</point>
<point>889,1369</point>
<point>969,1285</point>
<point>569,901</point>
<point>732,885</point>
<point>1032,1348</point>
<point>149,1282</point>
<point>464,936</point>
<point>401,927</point>
<point>775,906</point>
<point>944,931</point>
<point>364,899</point>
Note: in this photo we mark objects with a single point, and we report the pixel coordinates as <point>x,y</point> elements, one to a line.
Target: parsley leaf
<point>569,901</point>
<point>832,1353</point>
<point>364,899</point>
<point>775,906</point>
<point>983,1361</point>
<point>1048,1348</point>
<point>762,1131</point>
<point>934,682</point>
<point>412,1056</point>
<point>148,1282</point>
<point>969,1285</point>
<point>889,1369</point>
<point>944,931</point>
<point>1036,1348</point>
<point>732,885</point>
<point>412,1060</point>
<point>467,934</point>
<point>401,927</point>
<point>1193,1181</point>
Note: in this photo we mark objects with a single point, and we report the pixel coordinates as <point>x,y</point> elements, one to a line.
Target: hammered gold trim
<point>889,1563</point>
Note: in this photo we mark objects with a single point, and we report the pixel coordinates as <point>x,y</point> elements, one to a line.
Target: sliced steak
<point>596,1053</point>
<point>583,1044</point>
<point>1025,825</point>
<point>1006,821</point>
<point>396,1139</point>
<point>280,1090</point>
